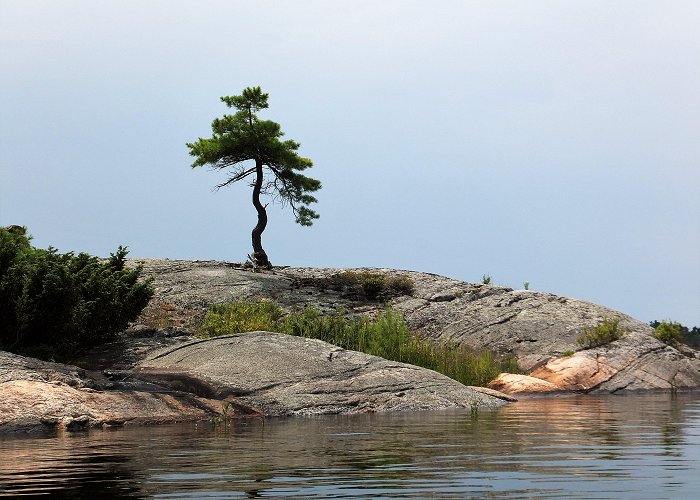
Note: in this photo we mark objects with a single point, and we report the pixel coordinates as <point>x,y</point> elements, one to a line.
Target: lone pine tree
<point>245,145</point>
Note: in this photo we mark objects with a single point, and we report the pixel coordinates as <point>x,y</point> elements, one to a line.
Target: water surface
<point>632,446</point>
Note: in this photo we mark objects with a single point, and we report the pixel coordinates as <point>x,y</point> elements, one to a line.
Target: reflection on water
<point>640,446</point>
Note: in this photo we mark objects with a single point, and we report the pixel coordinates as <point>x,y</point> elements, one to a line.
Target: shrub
<point>669,332</point>
<point>486,279</point>
<point>568,352</point>
<point>374,285</point>
<point>52,304</point>
<point>608,331</point>
<point>387,336</point>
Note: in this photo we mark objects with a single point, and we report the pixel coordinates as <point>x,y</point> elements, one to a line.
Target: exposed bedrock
<point>165,379</point>
<point>38,396</point>
<point>537,327</point>
<point>280,374</point>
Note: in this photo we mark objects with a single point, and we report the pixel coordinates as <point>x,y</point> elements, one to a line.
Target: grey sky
<point>550,142</point>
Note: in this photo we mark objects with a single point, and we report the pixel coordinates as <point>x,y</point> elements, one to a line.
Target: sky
<point>553,142</point>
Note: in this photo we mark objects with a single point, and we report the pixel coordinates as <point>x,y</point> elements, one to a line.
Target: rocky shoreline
<point>256,374</point>
<point>158,372</point>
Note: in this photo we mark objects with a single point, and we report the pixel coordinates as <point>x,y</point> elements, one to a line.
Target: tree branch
<point>236,177</point>
<point>284,193</point>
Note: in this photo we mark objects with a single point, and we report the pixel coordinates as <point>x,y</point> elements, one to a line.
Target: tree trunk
<point>259,256</point>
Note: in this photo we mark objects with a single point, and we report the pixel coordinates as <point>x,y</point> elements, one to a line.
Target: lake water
<point>633,446</point>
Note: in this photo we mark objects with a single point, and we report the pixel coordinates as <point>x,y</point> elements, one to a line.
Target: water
<point>637,446</point>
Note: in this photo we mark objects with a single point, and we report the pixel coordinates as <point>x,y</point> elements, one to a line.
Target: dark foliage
<point>52,304</point>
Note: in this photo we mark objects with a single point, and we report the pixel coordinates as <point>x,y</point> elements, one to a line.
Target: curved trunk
<point>259,256</point>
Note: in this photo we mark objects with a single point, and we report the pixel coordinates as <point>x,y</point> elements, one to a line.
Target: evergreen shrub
<point>52,304</point>
<point>669,332</point>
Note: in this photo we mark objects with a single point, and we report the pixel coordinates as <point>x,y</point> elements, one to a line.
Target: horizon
<point>553,143</point>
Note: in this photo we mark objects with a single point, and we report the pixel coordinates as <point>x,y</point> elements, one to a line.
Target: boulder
<point>285,375</point>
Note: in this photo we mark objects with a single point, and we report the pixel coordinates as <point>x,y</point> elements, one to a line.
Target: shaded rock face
<point>30,406</point>
<point>284,375</point>
<point>16,367</point>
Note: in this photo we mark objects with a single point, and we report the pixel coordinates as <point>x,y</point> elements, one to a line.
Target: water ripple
<point>638,446</point>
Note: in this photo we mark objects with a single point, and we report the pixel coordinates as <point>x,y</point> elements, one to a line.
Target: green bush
<point>374,285</point>
<point>53,304</point>
<point>608,331</point>
<point>688,336</point>
<point>669,332</point>
<point>386,336</point>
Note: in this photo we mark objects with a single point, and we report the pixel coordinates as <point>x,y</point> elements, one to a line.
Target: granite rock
<point>536,327</point>
<point>281,374</point>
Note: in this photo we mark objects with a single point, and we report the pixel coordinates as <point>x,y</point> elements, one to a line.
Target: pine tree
<point>244,145</point>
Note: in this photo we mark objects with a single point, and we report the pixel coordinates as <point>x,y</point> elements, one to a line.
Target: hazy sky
<point>555,142</point>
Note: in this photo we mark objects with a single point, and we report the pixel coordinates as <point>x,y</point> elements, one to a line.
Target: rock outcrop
<point>635,362</point>
<point>284,375</point>
<point>251,374</point>
<point>536,327</point>
<point>158,372</point>
<point>40,396</point>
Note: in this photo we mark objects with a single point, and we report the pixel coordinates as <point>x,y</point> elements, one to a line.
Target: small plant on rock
<point>668,332</point>
<point>608,331</point>
<point>375,285</point>
<point>486,279</point>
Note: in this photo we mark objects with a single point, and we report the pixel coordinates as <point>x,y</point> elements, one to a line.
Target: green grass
<point>387,336</point>
<point>239,317</point>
